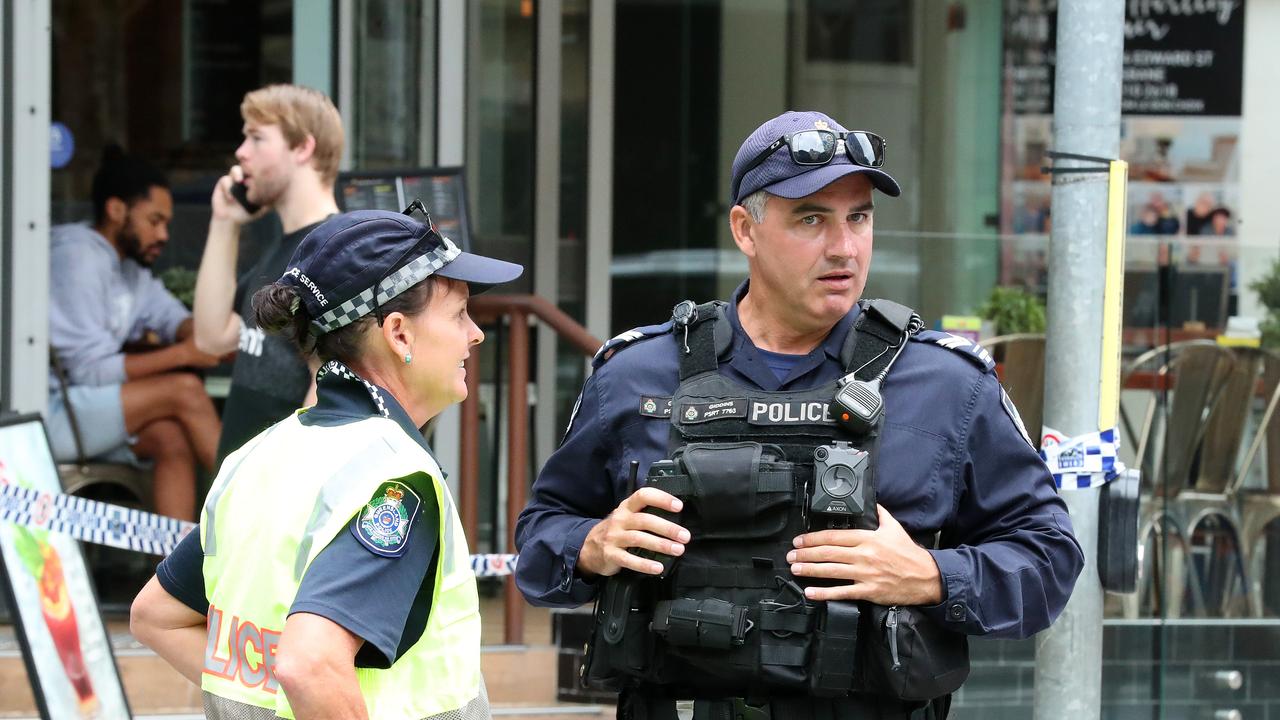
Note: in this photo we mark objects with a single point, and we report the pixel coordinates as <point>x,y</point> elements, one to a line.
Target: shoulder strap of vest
<point>883,325</point>
<point>623,340</point>
<point>702,334</point>
<point>975,353</point>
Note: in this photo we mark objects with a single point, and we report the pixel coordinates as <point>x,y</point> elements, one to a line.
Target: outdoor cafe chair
<point>1168,449</point>
<point>1260,507</point>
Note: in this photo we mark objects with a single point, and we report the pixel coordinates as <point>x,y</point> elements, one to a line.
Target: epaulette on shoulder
<point>626,339</point>
<point>976,354</point>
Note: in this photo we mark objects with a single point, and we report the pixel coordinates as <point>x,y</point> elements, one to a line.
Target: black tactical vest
<point>755,468</point>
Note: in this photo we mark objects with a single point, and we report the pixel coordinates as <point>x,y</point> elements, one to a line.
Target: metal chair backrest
<point>1022,375</point>
<point>1195,372</point>
<point>1271,383</point>
<point>1224,428</point>
<point>1268,431</point>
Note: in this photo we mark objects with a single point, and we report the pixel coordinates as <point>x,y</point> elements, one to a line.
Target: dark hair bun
<point>277,310</point>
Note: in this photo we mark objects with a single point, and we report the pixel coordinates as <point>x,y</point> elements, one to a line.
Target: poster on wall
<point>64,642</point>
<point>1180,128</point>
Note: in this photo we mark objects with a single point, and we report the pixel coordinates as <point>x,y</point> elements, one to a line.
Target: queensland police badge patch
<point>383,525</point>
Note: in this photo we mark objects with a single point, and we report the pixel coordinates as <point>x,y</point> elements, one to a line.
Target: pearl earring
<point>408,358</point>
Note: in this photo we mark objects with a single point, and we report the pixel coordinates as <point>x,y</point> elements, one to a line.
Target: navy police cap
<point>780,176</point>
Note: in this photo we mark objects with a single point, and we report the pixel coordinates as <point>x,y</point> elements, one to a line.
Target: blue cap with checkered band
<point>355,262</point>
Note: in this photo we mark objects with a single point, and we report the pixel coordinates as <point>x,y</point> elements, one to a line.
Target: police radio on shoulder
<point>859,404</point>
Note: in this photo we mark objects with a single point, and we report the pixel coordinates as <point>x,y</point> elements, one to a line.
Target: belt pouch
<point>619,642</point>
<point>907,655</point>
<point>835,649</point>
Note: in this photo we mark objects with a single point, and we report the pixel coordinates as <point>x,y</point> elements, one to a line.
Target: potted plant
<point>1014,310</point>
<point>1268,289</point>
<point>181,282</point>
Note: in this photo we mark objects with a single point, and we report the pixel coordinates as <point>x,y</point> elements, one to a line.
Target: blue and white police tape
<point>1085,461</point>
<point>130,529</point>
<point>91,521</point>
<point>493,565</point>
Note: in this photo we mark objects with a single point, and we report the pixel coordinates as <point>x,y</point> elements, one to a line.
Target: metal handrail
<point>518,309</point>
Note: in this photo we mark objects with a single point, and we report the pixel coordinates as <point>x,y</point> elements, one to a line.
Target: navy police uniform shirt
<point>953,459</point>
<point>384,600</point>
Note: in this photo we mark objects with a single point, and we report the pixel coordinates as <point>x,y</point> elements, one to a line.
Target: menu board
<point>441,190</point>
<point>1181,57</point>
<point>64,643</point>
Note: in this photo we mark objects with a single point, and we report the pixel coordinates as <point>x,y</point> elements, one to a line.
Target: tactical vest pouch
<point>707,623</point>
<point>835,649</point>
<point>785,632</point>
<point>907,655</point>
<point>731,490</point>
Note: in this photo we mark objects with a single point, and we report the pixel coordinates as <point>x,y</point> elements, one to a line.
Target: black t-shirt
<point>270,378</point>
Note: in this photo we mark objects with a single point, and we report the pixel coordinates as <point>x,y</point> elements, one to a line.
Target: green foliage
<point>1268,289</point>
<point>1271,330</point>
<point>1013,310</point>
<point>182,283</point>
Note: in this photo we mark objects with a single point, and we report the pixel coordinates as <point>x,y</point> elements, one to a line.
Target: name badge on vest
<point>655,407</point>
<point>707,411</point>
<point>792,412</point>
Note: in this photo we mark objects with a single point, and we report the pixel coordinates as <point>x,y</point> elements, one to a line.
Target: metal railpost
<point>1086,120</point>
<point>517,463</point>
<point>469,453</point>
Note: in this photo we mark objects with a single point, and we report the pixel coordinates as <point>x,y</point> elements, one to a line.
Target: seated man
<point>138,404</point>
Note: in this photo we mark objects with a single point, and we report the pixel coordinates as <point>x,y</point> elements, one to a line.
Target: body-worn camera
<point>842,493</point>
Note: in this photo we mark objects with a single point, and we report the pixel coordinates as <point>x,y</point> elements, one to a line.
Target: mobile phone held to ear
<point>241,193</point>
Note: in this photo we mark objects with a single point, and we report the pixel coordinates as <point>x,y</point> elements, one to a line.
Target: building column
<point>599,240</point>
<point>24,205</point>
<point>1259,230</point>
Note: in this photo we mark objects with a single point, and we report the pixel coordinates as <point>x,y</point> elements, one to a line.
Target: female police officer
<point>330,576</point>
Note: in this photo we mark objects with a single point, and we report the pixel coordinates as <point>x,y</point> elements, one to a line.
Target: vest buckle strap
<point>730,709</point>
<point>709,623</point>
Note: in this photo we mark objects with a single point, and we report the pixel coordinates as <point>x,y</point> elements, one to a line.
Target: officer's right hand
<point>605,550</point>
<point>224,205</point>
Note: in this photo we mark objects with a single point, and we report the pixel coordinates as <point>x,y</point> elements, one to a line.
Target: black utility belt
<point>709,647</point>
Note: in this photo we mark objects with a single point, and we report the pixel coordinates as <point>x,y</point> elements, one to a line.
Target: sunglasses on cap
<point>819,147</point>
<point>418,211</point>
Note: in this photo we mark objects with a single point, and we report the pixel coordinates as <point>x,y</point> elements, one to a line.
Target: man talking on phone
<point>288,163</point>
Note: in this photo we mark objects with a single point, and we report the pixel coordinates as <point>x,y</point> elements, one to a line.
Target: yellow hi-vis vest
<point>279,501</point>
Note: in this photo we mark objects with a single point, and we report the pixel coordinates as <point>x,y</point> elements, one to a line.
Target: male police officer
<point>956,471</point>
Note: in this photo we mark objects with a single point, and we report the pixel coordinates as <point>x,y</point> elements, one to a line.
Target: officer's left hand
<point>884,565</point>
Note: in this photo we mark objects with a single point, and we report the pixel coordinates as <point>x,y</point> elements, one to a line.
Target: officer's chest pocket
<point>915,475</point>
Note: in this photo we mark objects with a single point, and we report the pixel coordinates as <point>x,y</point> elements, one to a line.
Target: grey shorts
<point>100,417</point>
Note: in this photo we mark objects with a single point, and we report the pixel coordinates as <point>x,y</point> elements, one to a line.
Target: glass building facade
<point>596,140</point>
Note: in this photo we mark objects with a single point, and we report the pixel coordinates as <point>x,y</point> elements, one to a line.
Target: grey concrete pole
<point>1086,120</point>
